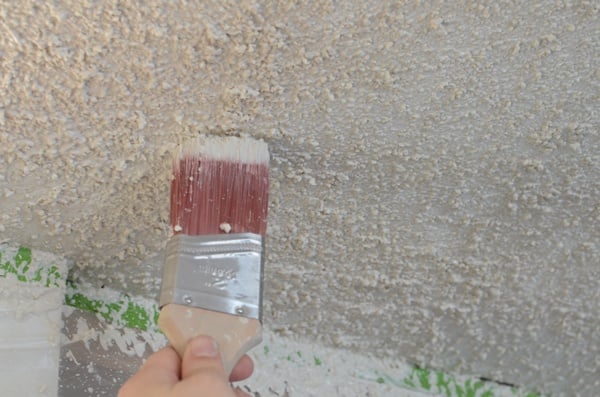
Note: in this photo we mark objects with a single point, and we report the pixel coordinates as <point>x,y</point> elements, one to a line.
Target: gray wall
<point>435,189</point>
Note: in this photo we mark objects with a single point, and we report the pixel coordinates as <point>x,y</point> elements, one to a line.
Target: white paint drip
<point>225,227</point>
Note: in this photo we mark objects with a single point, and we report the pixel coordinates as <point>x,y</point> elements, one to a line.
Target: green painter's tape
<point>441,384</point>
<point>126,312</point>
<point>22,267</point>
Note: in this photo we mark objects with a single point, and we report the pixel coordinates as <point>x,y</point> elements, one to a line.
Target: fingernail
<point>204,347</point>
<point>240,392</point>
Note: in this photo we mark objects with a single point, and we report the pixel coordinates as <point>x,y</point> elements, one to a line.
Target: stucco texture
<point>435,165</point>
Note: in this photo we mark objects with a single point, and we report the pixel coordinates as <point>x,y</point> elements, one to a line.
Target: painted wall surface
<point>435,165</point>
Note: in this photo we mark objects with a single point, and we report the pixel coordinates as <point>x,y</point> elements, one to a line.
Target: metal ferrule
<point>221,272</point>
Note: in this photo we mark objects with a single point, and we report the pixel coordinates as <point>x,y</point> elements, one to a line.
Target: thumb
<point>202,356</point>
<point>202,372</point>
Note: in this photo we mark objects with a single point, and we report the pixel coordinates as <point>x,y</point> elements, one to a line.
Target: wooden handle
<point>234,334</point>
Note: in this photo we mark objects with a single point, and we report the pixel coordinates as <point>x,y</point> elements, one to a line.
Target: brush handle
<point>235,335</point>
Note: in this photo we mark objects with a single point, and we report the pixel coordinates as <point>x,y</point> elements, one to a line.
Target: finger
<point>242,370</point>
<point>156,377</point>
<point>202,355</point>
<point>202,372</point>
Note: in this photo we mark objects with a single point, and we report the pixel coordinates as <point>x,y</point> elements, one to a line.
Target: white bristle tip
<point>239,150</point>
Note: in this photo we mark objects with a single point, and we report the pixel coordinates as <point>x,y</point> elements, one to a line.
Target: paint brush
<point>212,278</point>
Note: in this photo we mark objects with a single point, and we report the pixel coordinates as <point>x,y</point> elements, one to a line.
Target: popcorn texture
<point>434,172</point>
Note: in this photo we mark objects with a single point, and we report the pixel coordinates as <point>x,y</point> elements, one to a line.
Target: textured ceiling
<point>435,189</point>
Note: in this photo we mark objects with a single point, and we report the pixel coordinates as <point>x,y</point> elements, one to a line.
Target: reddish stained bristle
<point>206,193</point>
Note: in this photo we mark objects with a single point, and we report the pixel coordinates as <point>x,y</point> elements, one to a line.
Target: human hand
<point>199,374</point>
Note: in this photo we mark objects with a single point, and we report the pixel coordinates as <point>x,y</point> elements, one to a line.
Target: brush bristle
<point>220,185</point>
